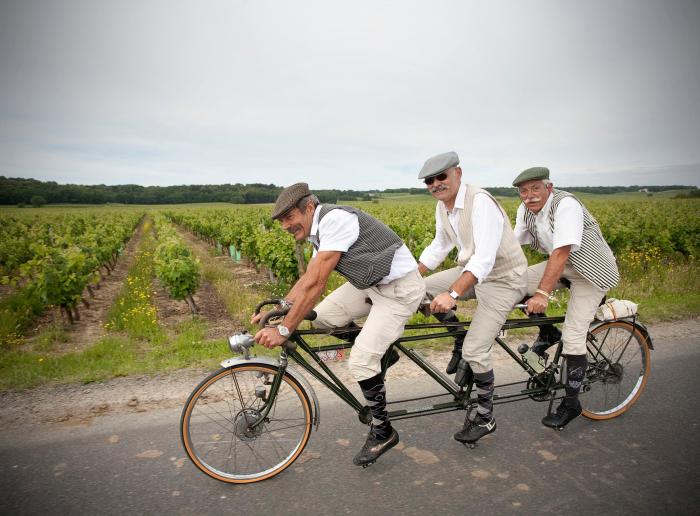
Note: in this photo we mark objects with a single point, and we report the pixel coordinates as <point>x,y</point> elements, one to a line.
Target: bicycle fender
<point>300,378</point>
<point>637,324</point>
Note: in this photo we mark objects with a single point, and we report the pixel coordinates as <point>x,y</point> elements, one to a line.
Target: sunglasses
<point>440,177</point>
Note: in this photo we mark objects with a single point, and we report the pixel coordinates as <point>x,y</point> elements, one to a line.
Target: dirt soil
<point>83,333</point>
<point>78,405</point>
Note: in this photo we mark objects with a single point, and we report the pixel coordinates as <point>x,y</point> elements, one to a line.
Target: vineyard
<point>54,260</point>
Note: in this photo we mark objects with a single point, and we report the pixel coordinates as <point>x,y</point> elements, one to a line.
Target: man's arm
<point>307,291</point>
<point>552,272</point>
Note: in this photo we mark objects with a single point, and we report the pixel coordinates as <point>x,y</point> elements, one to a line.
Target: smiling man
<point>491,268</point>
<point>383,285</point>
<point>555,222</point>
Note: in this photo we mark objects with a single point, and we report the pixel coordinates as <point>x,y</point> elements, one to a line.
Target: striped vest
<point>510,262</point>
<point>369,259</point>
<point>593,259</point>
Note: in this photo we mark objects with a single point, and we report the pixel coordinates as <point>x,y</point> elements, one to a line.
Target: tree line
<point>21,191</point>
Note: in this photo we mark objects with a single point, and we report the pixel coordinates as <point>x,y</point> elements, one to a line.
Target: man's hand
<point>269,337</point>
<point>255,318</point>
<point>442,303</point>
<point>537,304</point>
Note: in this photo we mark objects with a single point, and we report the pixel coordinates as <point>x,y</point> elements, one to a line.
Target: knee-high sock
<point>451,317</point>
<point>484,394</point>
<point>575,373</point>
<point>374,392</point>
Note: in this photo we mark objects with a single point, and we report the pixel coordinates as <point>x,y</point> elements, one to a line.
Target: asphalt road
<point>643,462</point>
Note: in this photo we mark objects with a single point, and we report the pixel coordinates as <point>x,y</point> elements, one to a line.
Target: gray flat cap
<point>530,174</point>
<point>288,198</point>
<point>438,164</point>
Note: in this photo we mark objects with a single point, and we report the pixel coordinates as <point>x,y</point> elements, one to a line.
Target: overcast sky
<point>349,94</point>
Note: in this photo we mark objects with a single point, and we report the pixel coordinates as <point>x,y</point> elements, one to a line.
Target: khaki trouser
<point>495,301</point>
<point>392,305</point>
<point>583,301</point>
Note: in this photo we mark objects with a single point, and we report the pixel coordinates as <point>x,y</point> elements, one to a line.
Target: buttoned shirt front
<point>487,227</point>
<point>568,225</point>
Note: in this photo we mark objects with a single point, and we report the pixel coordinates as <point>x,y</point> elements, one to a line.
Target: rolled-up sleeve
<point>439,248</point>
<point>487,227</point>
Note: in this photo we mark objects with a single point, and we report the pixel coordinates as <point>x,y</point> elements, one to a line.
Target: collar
<point>314,225</point>
<point>545,209</point>
<point>459,200</point>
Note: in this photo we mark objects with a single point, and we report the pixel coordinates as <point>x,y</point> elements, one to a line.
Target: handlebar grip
<point>266,302</point>
<point>272,313</point>
<point>311,316</point>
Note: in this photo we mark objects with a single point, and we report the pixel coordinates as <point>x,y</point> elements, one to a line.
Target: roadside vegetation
<point>656,242</point>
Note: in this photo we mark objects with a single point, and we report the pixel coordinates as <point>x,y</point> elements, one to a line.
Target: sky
<point>349,95</point>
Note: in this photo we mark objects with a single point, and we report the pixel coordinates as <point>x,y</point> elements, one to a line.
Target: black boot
<point>464,374</point>
<point>474,430</point>
<point>570,407</point>
<point>565,413</point>
<point>374,447</point>
<point>549,335</point>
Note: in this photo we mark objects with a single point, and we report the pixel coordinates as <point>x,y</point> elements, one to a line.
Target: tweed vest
<point>593,259</point>
<point>369,259</point>
<point>510,261</point>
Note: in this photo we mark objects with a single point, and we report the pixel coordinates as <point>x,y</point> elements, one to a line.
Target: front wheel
<point>218,424</point>
<point>619,363</point>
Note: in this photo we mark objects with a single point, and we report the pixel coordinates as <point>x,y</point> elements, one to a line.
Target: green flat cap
<point>288,198</point>
<point>530,174</point>
<point>438,164</point>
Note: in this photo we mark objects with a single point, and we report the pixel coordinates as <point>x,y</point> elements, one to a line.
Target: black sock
<point>484,394</point>
<point>451,317</point>
<point>374,392</point>
<point>575,373</point>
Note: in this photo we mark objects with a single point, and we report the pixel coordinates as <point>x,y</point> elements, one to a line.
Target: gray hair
<point>304,201</point>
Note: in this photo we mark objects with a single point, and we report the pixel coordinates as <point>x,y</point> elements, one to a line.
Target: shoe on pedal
<point>464,375</point>
<point>475,430</point>
<point>454,361</point>
<point>375,447</point>
<point>548,336</point>
<point>564,414</point>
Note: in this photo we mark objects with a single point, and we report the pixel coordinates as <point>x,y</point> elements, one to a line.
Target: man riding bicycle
<point>555,222</point>
<point>383,285</point>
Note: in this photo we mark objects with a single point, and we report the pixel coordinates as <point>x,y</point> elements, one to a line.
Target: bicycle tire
<point>214,428</point>
<point>612,386</point>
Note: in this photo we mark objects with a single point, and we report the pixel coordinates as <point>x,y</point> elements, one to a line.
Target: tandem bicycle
<point>251,419</point>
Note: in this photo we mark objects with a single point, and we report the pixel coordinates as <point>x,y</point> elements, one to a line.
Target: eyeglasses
<point>440,177</point>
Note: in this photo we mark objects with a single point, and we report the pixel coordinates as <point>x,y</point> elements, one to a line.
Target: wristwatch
<point>284,331</point>
<point>454,295</point>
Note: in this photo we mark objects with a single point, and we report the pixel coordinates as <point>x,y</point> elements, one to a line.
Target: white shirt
<point>339,229</point>
<point>568,225</point>
<point>487,229</point>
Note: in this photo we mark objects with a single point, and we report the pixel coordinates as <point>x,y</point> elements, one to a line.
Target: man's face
<point>444,186</point>
<point>534,194</point>
<point>298,222</point>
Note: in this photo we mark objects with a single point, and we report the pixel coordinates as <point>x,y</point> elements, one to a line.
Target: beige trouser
<point>583,301</point>
<point>392,305</point>
<point>495,301</point>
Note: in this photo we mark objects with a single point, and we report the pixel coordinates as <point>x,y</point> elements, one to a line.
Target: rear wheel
<point>219,431</point>
<point>619,363</point>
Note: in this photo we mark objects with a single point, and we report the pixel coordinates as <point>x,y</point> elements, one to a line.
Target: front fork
<point>269,400</point>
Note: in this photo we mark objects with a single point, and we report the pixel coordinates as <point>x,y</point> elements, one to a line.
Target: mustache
<point>437,189</point>
<point>294,229</point>
<point>531,200</point>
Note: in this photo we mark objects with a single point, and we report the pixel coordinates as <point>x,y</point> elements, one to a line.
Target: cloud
<point>345,95</point>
